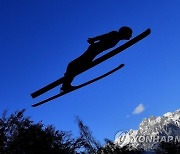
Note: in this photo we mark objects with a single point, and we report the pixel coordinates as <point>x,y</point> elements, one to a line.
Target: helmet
<point>125,32</point>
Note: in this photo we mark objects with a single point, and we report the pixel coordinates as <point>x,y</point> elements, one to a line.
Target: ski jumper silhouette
<point>97,45</point>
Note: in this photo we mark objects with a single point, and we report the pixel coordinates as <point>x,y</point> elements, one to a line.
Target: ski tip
<point>149,30</point>
<point>122,65</point>
<point>119,67</point>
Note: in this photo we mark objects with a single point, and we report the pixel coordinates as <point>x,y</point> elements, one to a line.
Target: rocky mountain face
<point>152,131</point>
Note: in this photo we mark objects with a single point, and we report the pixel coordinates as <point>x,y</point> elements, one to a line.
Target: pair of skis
<point>94,63</point>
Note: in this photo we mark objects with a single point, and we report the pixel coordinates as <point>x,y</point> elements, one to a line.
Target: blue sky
<point>39,38</point>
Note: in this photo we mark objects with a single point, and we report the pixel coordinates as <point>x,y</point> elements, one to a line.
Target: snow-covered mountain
<point>152,131</point>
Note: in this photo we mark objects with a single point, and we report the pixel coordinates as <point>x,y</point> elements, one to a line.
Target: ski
<point>78,87</point>
<point>96,61</point>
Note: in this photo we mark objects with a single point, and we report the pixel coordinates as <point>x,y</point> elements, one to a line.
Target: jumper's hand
<point>90,41</point>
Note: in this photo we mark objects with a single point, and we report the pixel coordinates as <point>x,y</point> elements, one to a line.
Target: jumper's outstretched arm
<point>97,38</point>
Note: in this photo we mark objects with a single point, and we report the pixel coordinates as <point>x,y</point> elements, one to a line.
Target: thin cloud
<point>139,109</point>
<point>128,116</point>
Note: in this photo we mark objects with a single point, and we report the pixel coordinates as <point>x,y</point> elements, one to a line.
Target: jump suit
<point>81,63</point>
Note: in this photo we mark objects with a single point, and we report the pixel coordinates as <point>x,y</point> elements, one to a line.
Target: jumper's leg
<point>66,86</point>
<point>69,75</point>
<point>74,68</point>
